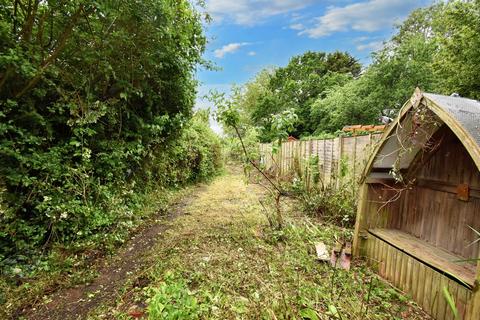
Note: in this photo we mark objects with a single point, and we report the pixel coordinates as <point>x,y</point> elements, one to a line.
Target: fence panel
<point>332,155</point>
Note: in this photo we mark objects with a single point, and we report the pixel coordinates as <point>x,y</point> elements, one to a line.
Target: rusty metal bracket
<point>463,192</point>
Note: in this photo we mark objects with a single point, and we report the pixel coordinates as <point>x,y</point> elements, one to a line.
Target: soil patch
<point>77,302</point>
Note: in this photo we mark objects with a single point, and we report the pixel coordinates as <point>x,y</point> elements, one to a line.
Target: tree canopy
<point>294,87</point>
<point>435,48</point>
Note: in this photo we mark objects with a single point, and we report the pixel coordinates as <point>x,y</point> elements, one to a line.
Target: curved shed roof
<point>461,115</point>
<point>465,112</point>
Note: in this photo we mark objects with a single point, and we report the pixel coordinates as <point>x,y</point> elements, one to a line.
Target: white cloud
<point>369,16</point>
<point>296,16</point>
<point>297,26</point>
<point>251,12</point>
<point>361,39</point>
<point>229,48</point>
<point>252,53</point>
<point>371,46</point>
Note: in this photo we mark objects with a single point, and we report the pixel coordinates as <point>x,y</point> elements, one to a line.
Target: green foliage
<point>241,139</point>
<point>403,64</point>
<point>194,155</point>
<point>306,78</point>
<point>227,112</point>
<point>293,87</point>
<point>457,27</point>
<point>95,107</point>
<point>450,302</point>
<point>436,49</point>
<point>343,105</point>
<point>335,204</point>
<point>233,148</point>
<point>308,313</point>
<point>281,124</point>
<point>256,100</point>
<point>172,300</point>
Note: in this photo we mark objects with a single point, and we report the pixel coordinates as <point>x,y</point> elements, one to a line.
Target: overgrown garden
<point>96,103</point>
<point>98,133</point>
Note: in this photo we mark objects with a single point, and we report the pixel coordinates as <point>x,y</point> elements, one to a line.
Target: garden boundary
<point>326,158</point>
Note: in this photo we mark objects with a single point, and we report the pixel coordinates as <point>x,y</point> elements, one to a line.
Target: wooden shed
<point>419,205</point>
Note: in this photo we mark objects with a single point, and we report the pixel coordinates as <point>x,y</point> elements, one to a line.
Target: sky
<point>247,36</point>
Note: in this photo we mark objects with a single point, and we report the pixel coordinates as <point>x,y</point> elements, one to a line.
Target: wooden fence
<point>295,157</point>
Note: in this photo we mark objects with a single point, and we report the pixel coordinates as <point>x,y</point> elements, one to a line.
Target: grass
<point>76,264</point>
<point>221,261</point>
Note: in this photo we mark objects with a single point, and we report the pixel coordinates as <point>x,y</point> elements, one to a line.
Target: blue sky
<point>249,35</point>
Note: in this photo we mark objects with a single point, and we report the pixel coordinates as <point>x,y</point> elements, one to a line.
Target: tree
<point>404,63</point>
<point>89,92</point>
<point>306,78</point>
<point>458,60</point>
<point>293,87</point>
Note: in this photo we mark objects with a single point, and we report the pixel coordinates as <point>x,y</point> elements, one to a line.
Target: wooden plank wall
<point>440,219</point>
<point>294,155</point>
<point>421,282</point>
<point>432,211</point>
<point>381,205</point>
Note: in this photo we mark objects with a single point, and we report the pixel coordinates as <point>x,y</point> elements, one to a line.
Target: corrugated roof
<point>465,111</point>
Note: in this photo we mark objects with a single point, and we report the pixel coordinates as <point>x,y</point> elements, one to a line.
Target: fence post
<point>354,157</point>
<point>332,144</point>
<point>325,173</point>
<point>318,161</point>
<point>292,149</point>
<point>340,156</point>
<point>280,159</point>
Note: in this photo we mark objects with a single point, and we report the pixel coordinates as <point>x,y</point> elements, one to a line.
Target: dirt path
<point>79,301</point>
<point>217,259</point>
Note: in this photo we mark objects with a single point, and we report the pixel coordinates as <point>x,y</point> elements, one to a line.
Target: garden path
<point>215,257</point>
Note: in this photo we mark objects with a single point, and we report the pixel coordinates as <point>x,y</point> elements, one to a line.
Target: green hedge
<point>96,105</point>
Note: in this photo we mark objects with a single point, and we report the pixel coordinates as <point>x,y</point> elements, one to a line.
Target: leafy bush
<point>95,106</point>
<point>105,210</point>
<point>233,147</point>
<point>331,202</point>
<point>172,300</point>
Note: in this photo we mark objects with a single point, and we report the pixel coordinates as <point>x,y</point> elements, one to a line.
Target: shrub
<point>233,147</point>
<point>95,108</point>
<point>75,205</point>
<point>334,202</point>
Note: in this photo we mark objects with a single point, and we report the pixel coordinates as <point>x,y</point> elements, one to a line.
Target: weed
<point>333,201</point>
<point>66,266</point>
<point>225,255</point>
<point>172,300</point>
